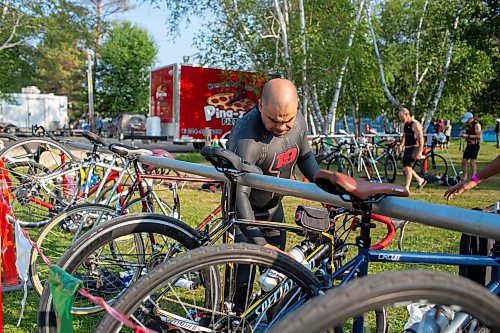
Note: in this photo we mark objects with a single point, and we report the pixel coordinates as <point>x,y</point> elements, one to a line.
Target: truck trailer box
<point>189,99</point>
<point>26,109</point>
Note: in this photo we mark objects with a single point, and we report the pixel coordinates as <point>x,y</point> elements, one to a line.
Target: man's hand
<point>272,247</point>
<point>459,189</point>
<point>420,155</point>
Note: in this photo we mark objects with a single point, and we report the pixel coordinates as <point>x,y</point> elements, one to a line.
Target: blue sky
<point>153,20</point>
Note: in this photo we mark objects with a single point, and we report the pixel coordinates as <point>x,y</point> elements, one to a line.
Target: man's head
<point>278,106</point>
<point>467,118</point>
<point>404,115</point>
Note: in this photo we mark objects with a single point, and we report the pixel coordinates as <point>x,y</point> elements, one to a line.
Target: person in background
<point>412,141</point>
<point>497,131</point>
<point>472,136</point>
<point>447,132</point>
<point>441,126</point>
<point>98,124</point>
<point>488,171</point>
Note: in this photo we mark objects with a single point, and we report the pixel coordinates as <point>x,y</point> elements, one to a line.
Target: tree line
<point>356,58</point>
<point>45,43</point>
<point>349,58</point>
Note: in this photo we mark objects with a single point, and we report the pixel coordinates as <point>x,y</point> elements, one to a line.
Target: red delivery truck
<point>189,99</point>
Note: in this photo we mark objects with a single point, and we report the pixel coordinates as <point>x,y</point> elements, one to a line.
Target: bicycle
<point>385,160</point>
<point>433,167</point>
<point>145,298</point>
<point>95,248</point>
<point>329,312</point>
<point>332,155</point>
<point>47,179</point>
<point>65,228</point>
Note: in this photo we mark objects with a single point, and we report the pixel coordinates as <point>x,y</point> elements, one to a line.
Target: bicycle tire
<point>25,190</point>
<point>7,138</point>
<point>95,238</point>
<point>342,164</point>
<point>49,230</point>
<point>231,254</point>
<point>390,169</point>
<point>24,143</point>
<point>381,290</point>
<point>437,167</point>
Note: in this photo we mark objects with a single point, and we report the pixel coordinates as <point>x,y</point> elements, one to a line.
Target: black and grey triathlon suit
<point>411,146</point>
<point>276,156</point>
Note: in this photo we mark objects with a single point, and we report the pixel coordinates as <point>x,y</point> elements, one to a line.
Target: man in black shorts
<point>274,137</point>
<point>412,142</point>
<point>473,137</point>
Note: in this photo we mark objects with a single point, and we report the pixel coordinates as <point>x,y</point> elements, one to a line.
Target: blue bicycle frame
<point>359,266</point>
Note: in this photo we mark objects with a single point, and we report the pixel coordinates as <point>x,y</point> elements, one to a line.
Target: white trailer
<point>29,108</point>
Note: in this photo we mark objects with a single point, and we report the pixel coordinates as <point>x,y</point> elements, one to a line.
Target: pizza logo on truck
<point>219,107</point>
<point>160,91</point>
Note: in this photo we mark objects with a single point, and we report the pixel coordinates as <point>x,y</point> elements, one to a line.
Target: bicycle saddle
<point>223,159</point>
<point>95,139</point>
<point>127,151</point>
<point>340,184</point>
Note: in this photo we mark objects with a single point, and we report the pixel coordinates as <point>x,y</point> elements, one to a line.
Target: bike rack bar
<point>441,216</point>
<point>86,146</point>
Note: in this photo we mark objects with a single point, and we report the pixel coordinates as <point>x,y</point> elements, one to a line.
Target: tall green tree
<point>127,55</point>
<point>60,55</point>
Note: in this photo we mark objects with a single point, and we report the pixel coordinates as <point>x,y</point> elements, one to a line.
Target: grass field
<point>197,204</point>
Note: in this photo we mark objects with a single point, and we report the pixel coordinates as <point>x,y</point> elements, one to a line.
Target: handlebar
<point>390,232</point>
<point>41,131</point>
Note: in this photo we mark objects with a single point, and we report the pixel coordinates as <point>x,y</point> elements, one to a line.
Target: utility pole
<point>90,88</point>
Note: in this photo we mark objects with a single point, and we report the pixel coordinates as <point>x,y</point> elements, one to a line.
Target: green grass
<point>197,204</point>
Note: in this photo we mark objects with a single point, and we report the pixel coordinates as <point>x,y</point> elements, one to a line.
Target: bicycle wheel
<point>7,139</point>
<point>390,169</point>
<point>40,150</point>
<point>199,290</point>
<point>391,290</point>
<point>37,196</point>
<point>111,257</point>
<point>342,164</point>
<point>62,231</point>
<point>434,167</point>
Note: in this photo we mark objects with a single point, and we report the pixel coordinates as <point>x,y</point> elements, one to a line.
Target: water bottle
<point>271,278</point>
<point>433,321</point>
<point>93,180</point>
<point>185,283</point>
<point>126,277</point>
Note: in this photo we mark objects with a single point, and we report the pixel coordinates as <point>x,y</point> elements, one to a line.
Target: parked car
<point>127,124</point>
<point>8,128</point>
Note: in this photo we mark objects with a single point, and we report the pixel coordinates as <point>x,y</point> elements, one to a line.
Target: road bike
<point>204,301</point>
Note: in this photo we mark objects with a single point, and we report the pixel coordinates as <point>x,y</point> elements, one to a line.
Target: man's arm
<point>306,162</point>
<point>419,137</point>
<point>402,140</point>
<point>478,132</point>
<point>248,150</point>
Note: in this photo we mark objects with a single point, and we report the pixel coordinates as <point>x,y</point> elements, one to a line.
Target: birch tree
<point>393,100</point>
<point>332,111</point>
<point>447,61</point>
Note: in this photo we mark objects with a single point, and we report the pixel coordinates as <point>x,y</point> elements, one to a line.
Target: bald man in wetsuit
<point>272,136</point>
